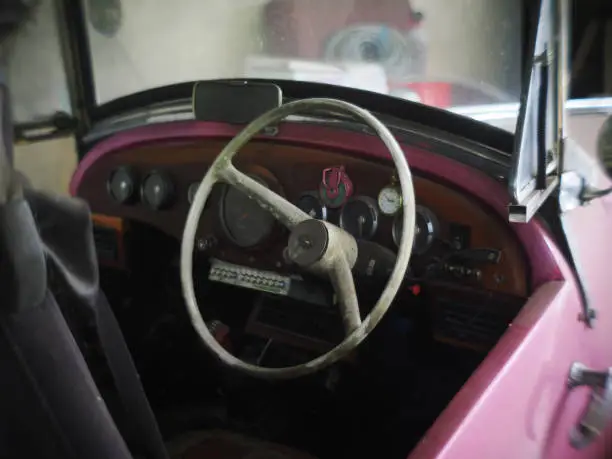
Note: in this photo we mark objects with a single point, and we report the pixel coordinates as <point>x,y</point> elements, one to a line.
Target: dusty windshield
<point>439,52</point>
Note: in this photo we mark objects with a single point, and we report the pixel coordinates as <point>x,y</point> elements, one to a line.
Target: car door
<point>580,425</point>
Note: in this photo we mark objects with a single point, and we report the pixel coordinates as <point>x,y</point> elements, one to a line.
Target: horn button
<point>308,243</point>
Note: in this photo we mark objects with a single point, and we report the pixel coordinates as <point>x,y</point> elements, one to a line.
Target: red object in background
<point>435,94</point>
<point>298,29</point>
<point>301,29</point>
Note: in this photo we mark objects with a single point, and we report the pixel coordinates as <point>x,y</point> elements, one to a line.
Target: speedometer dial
<point>244,222</point>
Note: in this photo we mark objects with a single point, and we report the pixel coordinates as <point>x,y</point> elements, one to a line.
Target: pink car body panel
<point>517,404</point>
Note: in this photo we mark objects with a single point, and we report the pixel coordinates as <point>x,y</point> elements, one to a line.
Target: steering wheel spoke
<point>284,211</point>
<point>344,285</point>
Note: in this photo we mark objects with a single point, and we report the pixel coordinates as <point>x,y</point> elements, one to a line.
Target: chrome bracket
<point>598,414</point>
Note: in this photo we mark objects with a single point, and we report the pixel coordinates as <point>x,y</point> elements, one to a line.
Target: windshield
<point>448,54</point>
<point>438,52</point>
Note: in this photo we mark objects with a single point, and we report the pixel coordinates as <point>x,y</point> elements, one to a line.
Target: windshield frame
<point>76,63</point>
<point>387,106</point>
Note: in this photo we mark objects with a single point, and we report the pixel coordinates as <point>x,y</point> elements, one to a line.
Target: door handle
<point>599,411</point>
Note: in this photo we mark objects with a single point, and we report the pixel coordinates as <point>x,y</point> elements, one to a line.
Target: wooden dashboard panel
<point>292,170</point>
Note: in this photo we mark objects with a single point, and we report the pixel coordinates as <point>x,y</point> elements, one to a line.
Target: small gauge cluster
<point>155,189</point>
<point>243,222</point>
<point>247,225</point>
<point>361,215</point>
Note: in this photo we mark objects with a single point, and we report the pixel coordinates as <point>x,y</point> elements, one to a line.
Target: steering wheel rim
<point>222,170</point>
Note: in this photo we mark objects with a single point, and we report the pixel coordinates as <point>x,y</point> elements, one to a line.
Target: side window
<point>591,49</point>
<point>36,72</point>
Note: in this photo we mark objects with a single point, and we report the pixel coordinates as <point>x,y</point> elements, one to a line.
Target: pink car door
<point>587,407</point>
<point>581,424</point>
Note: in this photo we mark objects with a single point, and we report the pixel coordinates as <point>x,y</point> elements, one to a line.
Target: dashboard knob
<point>157,190</point>
<point>122,185</point>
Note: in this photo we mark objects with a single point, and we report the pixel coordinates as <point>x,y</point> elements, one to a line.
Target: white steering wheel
<point>316,246</point>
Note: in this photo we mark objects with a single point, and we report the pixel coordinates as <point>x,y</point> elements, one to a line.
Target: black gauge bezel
<point>315,195</point>
<point>171,195</point>
<point>222,220</point>
<point>372,205</point>
<point>133,195</point>
<point>432,223</point>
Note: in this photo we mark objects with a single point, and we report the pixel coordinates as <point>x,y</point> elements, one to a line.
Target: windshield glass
<point>437,52</point>
<point>448,54</point>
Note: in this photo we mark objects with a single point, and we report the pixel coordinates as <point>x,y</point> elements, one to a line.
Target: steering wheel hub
<point>308,243</point>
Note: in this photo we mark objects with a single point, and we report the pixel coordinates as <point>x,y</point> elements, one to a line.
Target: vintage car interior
<point>319,268</point>
<point>469,276</point>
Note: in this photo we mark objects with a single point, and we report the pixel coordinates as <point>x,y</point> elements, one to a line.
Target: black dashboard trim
<point>481,133</point>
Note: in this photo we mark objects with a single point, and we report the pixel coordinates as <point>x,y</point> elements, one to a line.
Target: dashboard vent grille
<point>479,325</point>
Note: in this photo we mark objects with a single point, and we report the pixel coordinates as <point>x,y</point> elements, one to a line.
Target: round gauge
<point>390,200</point>
<point>157,190</point>
<point>122,185</point>
<point>310,203</point>
<point>244,222</point>
<point>359,217</point>
<point>191,191</point>
<point>425,232</point>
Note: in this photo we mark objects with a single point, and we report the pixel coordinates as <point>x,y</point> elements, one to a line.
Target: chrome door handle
<point>599,411</point>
